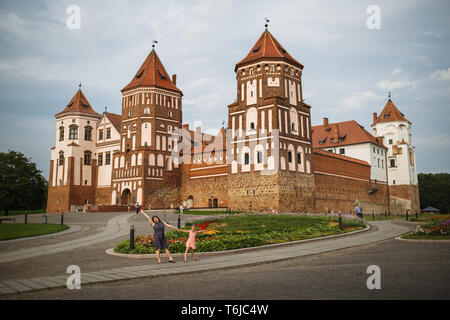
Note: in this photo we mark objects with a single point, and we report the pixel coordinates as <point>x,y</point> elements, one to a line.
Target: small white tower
<point>395,130</point>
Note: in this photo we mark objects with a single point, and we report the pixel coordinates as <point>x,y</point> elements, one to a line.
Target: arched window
<point>61,158</point>
<point>61,133</point>
<point>289,156</point>
<point>87,158</point>
<point>147,110</point>
<point>251,72</point>
<point>88,133</point>
<point>252,126</point>
<point>73,132</point>
<point>272,68</point>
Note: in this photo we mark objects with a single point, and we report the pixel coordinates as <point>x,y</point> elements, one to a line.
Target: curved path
<point>384,230</point>
<point>115,227</point>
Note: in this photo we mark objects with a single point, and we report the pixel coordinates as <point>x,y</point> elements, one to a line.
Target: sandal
<point>173,261</point>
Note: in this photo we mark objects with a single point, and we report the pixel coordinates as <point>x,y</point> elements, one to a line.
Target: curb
<point>111,252</point>
<point>422,240</point>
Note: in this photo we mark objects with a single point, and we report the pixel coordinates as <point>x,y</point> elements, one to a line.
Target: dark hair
<point>153,219</point>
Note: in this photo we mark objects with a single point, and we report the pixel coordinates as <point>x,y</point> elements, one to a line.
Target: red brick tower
<point>151,111</point>
<point>270,154</point>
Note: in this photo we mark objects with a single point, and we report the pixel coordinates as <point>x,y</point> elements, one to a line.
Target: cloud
<point>392,85</point>
<point>359,100</point>
<point>442,75</point>
<point>397,71</point>
<point>433,33</point>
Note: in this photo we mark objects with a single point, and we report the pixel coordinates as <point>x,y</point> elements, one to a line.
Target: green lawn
<point>426,237</point>
<point>20,230</point>
<point>17,212</point>
<point>207,213</point>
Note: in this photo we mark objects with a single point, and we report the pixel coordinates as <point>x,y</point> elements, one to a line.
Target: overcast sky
<point>348,71</point>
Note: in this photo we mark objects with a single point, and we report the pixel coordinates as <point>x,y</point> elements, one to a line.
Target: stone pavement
<point>384,230</point>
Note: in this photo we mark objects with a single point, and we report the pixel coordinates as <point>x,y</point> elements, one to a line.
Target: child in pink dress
<point>190,244</point>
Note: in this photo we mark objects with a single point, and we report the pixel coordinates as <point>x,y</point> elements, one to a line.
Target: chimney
<point>174,79</point>
<point>325,122</point>
<point>374,116</point>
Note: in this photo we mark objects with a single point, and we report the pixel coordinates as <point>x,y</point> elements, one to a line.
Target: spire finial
<point>79,86</point>
<point>153,43</point>
<point>106,108</point>
<point>267,22</point>
<point>389,95</point>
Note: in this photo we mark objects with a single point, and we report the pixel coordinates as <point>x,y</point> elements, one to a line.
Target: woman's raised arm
<point>148,218</point>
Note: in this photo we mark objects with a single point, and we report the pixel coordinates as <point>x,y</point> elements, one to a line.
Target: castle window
<point>247,158</point>
<point>108,133</point>
<point>299,158</point>
<point>100,135</point>
<point>378,163</point>
<point>61,158</point>
<point>290,156</point>
<point>390,141</point>
<point>252,126</point>
<point>107,159</point>
<point>100,159</point>
<point>272,68</point>
<point>341,151</point>
<point>251,72</point>
<point>129,113</point>
<point>88,133</point>
<point>61,133</point>
<point>147,110</point>
<point>169,114</point>
<point>73,132</point>
<point>87,158</point>
<point>259,157</point>
<point>392,163</point>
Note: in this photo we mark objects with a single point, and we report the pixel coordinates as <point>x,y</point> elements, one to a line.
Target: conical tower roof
<point>390,113</point>
<point>152,74</point>
<point>268,47</point>
<point>79,103</point>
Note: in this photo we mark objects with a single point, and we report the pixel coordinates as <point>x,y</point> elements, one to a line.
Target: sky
<point>348,68</point>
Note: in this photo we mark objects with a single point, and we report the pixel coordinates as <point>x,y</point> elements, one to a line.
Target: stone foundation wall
<point>204,189</point>
<point>296,192</point>
<point>404,197</point>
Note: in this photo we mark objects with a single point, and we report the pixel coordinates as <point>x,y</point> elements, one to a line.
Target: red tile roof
<point>340,156</point>
<point>78,103</point>
<point>341,134</point>
<point>116,119</point>
<point>152,74</point>
<point>390,113</point>
<point>268,47</point>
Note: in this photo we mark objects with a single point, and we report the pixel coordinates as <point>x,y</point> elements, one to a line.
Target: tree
<point>22,185</point>
<point>434,190</point>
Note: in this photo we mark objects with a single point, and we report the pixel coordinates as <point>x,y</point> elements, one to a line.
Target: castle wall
<point>404,197</point>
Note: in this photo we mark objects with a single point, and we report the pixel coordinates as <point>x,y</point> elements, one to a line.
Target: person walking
<point>358,212</point>
<point>159,236</point>
<point>137,207</point>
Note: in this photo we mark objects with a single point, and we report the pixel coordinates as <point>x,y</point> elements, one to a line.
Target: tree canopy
<point>434,190</point>
<point>22,185</point>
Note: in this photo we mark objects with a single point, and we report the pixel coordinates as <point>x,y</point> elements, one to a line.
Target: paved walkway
<point>116,227</point>
<point>384,230</point>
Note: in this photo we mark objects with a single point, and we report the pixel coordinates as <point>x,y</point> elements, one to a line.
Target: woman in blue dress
<point>159,237</point>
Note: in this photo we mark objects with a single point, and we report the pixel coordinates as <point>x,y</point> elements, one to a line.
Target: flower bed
<point>246,231</point>
<point>439,227</point>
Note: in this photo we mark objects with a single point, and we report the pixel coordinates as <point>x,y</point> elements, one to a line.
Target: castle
<point>269,158</point>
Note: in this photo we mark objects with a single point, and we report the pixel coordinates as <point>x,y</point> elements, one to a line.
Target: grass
<point>207,213</point>
<point>20,230</point>
<point>426,237</point>
<point>18,212</point>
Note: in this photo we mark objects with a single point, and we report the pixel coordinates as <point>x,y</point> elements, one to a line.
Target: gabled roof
<point>152,74</point>
<point>268,47</point>
<point>116,119</point>
<point>390,113</point>
<point>78,103</point>
<point>341,134</point>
